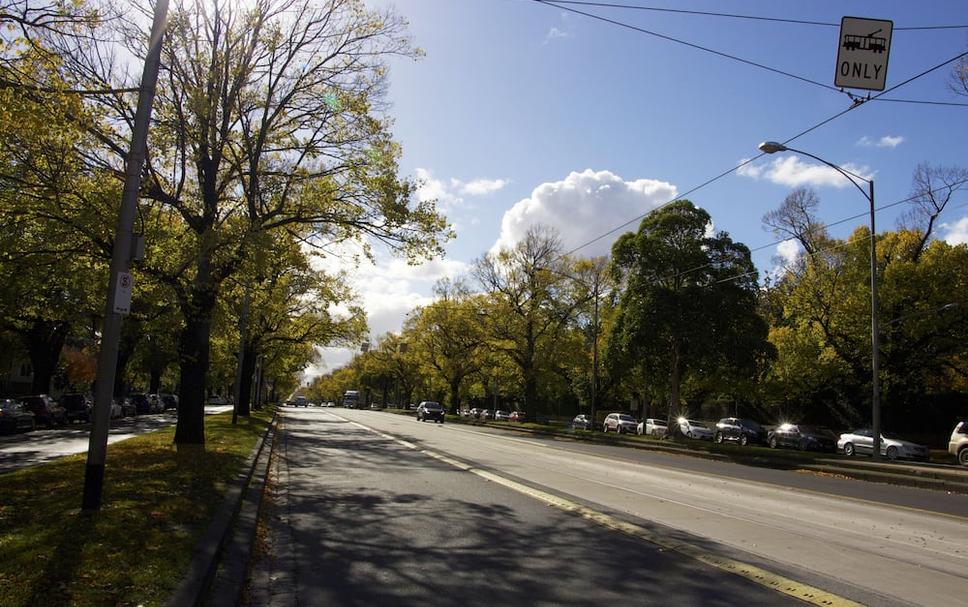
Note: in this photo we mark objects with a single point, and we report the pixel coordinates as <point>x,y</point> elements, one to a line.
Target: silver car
<point>695,429</point>
<point>619,422</point>
<point>862,442</point>
<point>958,443</point>
<point>653,427</point>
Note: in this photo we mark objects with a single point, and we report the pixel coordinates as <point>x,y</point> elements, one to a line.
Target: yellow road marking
<point>784,585</point>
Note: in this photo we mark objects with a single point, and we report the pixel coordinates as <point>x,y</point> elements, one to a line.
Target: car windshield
<point>751,424</point>
<point>435,406</point>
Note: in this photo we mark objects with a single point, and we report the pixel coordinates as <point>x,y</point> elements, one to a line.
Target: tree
<point>527,306</point>
<point>448,335</point>
<point>796,218</point>
<point>688,304</point>
<point>267,118</point>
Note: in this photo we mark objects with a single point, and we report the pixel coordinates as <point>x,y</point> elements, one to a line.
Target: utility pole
<point>119,283</point>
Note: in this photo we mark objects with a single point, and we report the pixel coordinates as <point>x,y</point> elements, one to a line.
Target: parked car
<point>695,429</point>
<point>116,410</point>
<point>170,401</point>
<point>429,409</point>
<point>619,422</point>
<point>652,427</point>
<point>376,406</point>
<point>958,443</point>
<point>128,408</point>
<point>501,416</point>
<point>743,431</point>
<point>76,407</point>
<point>45,409</point>
<point>141,403</point>
<point>156,405</point>
<point>518,416</point>
<point>862,441</point>
<point>485,414</point>
<point>15,417</point>
<point>582,422</point>
<point>804,438</point>
<point>473,413</point>
<point>217,400</point>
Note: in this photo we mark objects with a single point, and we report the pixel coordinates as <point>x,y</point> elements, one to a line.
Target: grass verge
<point>158,500</point>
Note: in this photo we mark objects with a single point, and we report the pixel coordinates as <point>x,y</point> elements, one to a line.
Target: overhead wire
<point>738,16</point>
<point>761,154</point>
<point>558,4</point>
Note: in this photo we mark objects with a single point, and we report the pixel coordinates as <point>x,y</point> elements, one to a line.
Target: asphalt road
<point>42,445</point>
<point>373,520</point>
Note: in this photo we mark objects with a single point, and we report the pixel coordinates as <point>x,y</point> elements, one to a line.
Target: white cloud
<point>480,187</point>
<point>583,206</point>
<point>449,195</point>
<point>956,233</point>
<point>793,172</point>
<point>388,289</point>
<point>887,141</point>
<point>788,251</point>
<point>555,34</point>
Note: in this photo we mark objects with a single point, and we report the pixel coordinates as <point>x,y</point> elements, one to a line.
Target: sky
<point>522,113</point>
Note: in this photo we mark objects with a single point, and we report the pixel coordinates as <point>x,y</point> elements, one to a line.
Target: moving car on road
<point>15,417</point>
<point>743,431</point>
<point>619,422</point>
<point>862,441</point>
<point>958,443</point>
<point>804,438</point>
<point>653,427</point>
<point>429,409</point>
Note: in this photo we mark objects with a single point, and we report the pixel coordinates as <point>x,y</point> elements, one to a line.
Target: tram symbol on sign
<point>870,42</point>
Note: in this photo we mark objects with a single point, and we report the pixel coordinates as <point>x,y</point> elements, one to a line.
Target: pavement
<point>357,517</point>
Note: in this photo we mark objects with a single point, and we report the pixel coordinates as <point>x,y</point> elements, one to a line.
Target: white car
<point>652,427</point>
<point>501,416</point>
<point>958,443</point>
<point>619,422</point>
<point>862,441</point>
<point>695,429</point>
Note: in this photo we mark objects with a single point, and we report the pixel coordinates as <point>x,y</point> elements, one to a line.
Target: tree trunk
<point>674,380</point>
<point>154,381</point>
<point>455,396</point>
<point>245,388</point>
<point>44,341</point>
<point>193,355</point>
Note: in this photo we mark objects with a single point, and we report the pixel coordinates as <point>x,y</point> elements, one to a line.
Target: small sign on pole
<point>862,52</point>
<point>122,293</point>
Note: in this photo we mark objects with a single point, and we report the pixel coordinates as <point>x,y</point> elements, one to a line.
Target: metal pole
<point>120,258</point>
<point>875,337</point>
<point>594,406</point>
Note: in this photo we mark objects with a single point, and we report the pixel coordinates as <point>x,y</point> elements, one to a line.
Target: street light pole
<point>771,147</point>
<point>120,259</point>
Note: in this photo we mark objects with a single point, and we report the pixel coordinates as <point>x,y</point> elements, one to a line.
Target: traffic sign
<point>862,51</point>
<point>122,293</point>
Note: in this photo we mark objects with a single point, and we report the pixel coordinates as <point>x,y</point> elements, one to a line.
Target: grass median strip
<point>158,499</point>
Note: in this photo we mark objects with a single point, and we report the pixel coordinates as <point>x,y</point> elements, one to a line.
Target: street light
<point>772,147</point>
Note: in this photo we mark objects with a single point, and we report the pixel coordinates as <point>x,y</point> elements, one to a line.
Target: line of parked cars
<point>498,415</point>
<point>28,412</point>
<point>796,436</point>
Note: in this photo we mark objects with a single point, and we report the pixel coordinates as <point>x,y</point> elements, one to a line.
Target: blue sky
<point>521,112</point>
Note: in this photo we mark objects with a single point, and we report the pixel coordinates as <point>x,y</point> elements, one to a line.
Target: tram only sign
<point>862,52</point>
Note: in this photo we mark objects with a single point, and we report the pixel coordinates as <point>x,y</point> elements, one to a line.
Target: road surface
<point>376,508</point>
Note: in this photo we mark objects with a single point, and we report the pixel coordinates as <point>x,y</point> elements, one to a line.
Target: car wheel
<point>719,437</point>
<point>772,442</point>
<point>849,449</point>
<point>963,457</point>
<point>892,453</point>
<point>744,440</point>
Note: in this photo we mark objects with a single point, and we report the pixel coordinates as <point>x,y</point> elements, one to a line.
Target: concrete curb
<point>895,474</point>
<point>205,559</point>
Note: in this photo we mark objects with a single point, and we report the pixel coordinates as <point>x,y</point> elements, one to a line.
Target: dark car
<point>45,409</point>
<point>429,409</point>
<point>15,417</point>
<point>582,422</point>
<point>170,401</point>
<point>77,407</point>
<point>128,408</point>
<point>743,431</point>
<point>141,403</point>
<point>804,438</point>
